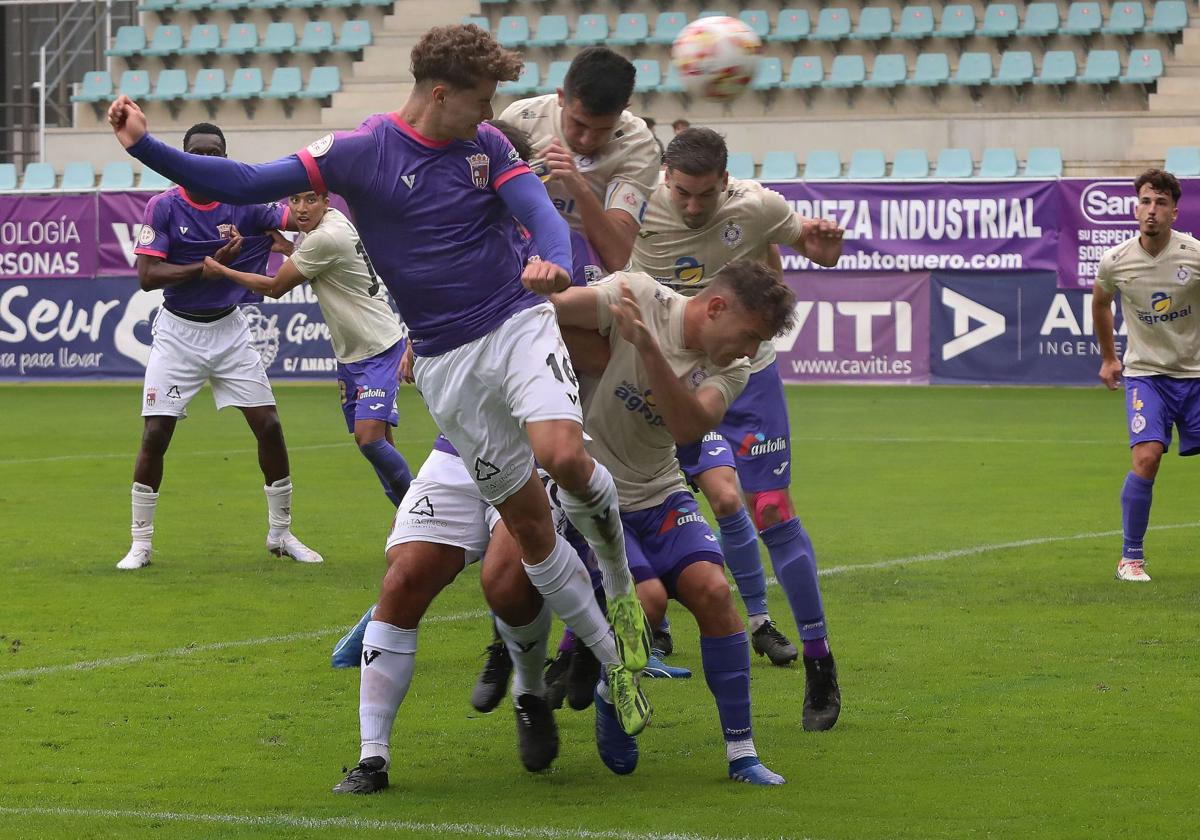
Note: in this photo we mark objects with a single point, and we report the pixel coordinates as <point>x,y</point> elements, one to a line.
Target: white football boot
<point>1133,570</point>
<point>288,546</point>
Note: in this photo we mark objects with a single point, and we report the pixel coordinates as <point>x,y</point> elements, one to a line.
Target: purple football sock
<point>726,662</point>
<point>1136,496</point>
<point>796,570</point>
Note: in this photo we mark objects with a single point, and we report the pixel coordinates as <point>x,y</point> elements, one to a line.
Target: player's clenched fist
<point>822,240</point>
<point>545,277</point>
<point>628,316</point>
<point>127,120</point>
<point>1110,374</point>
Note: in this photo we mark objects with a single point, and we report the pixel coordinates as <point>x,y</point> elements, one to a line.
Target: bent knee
<point>770,507</point>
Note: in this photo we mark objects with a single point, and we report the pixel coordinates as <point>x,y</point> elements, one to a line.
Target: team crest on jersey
<point>321,145</point>
<point>732,235</point>
<point>225,231</point>
<point>697,376</point>
<point>481,168</point>
<point>592,274</point>
<point>146,236</point>
<point>1184,274</point>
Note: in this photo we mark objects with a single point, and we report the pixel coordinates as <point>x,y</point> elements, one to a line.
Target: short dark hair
<point>204,128</point>
<point>519,138</point>
<point>680,124</point>
<point>758,289</point>
<point>462,55</point>
<point>600,80</point>
<point>1160,181</point>
<point>697,151</point>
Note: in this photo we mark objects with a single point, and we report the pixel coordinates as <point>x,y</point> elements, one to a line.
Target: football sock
<point>796,569</point>
<point>387,670</point>
<point>739,544</point>
<point>816,648</point>
<point>1136,496</point>
<point>568,640</point>
<point>726,662</point>
<point>279,507</point>
<point>594,514</point>
<point>145,500</point>
<point>390,466</point>
<point>564,583</point>
<point>527,646</point>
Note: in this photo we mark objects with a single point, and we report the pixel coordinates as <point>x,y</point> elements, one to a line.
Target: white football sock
<point>387,670</point>
<point>595,515</point>
<point>740,749</point>
<point>144,502</point>
<point>567,587</point>
<point>527,647</point>
<point>279,506</point>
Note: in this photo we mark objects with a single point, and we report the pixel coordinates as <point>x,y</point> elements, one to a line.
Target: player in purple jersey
<point>434,194</point>
<point>201,336</point>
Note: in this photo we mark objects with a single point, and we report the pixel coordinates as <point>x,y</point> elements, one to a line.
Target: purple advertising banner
<point>120,222</point>
<point>1096,215</point>
<point>857,328</point>
<point>47,236</point>
<point>962,226</point>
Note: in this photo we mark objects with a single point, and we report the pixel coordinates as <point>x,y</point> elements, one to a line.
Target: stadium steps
<point>1175,95</point>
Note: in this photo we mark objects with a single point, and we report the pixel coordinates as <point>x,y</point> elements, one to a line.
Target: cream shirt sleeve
<point>318,253</point>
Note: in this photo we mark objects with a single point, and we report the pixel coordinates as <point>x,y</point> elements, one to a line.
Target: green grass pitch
<point>997,681</point>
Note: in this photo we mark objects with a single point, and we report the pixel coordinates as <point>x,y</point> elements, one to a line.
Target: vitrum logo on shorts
<point>1108,203</point>
<point>679,517</point>
<point>757,444</point>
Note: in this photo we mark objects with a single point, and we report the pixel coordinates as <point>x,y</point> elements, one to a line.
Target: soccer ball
<point>716,57</point>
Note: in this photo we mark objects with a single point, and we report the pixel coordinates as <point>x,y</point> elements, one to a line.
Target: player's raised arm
<point>820,241</point>
<point>526,199</point>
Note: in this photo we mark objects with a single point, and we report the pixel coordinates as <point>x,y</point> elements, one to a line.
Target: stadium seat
<point>556,74</point>
<point>667,27</point>
<point>155,5</point>
<point>974,68</point>
<point>230,5</point>
<point>241,38</point>
<point>151,180</point>
<point>673,83</point>
<point>1044,162</point>
<point>512,31</point>
<point>648,75</point>
<point>740,165</point>
<point>1170,17</point>
<point>1145,66</point>
<point>379,4</point>
<point>97,86</point>
<point>874,24</point>
<point>823,164</point>
<point>932,69</point>
<point>1126,18</point>
<point>589,30</point>
<point>551,31</point>
<point>832,25</point>
<point>78,175</point>
<point>317,37</point>
<point>768,75</point>
<point>480,21</point>
<point>867,164</point>
<point>998,163</point>
<point>247,83</point>
<point>791,26</point>
<point>779,166</point>
<point>958,21</point>
<point>1058,68</point>
<point>1041,20</point>
<point>166,40</point>
<point>807,71</point>
<point>209,84</point>
<point>847,71</point>
<point>910,164</point>
<point>1000,20</point>
<point>135,84</point>
<point>524,84</point>
<point>1103,67</point>
<point>355,36</point>
<point>889,70</point>
<point>323,82</point>
<point>285,83</point>
<point>280,37</point>
<point>631,30</point>
<point>916,22</point>
<point>193,5</point>
<point>758,21</point>
<point>1083,19</point>
<point>1183,161</point>
<point>170,84</point>
<point>8,177</point>
<point>116,175</point>
<point>129,41</point>
<point>39,177</point>
<point>203,39</point>
<point>1016,69</point>
<point>712,13</point>
<point>954,163</point>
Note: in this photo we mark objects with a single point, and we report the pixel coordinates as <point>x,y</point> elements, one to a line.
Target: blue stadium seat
<point>525,83</point>
<point>209,84</point>
<point>779,166</point>
<point>1000,20</point>
<point>1044,162</point>
<point>355,36</point>
<point>974,68</point>
<point>1126,18</point>
<point>667,27</point>
<point>1183,161</point>
<point>673,83</point>
<point>1083,19</point>
<point>1058,68</point>
<point>958,21</point>
<point>631,30</point>
<point>791,26</point>
<point>998,163</point>
<point>932,70</point>
<point>129,41</point>
<point>151,180</point>
<point>648,75</point>
<point>155,5</point>
<point>757,20</point>
<point>1041,20</point>
<point>1103,67</point>
<point>230,5</point>
<point>822,164</point>
<point>916,22</point>
<point>1016,69</point>
<point>590,29</point>
<point>323,82</point>
<point>78,175</point>
<point>874,24</point>
<point>241,38</point>
<point>39,177</point>
<point>1170,17</point>
<point>285,83</point>
<point>97,86</point>
<point>740,165</point>
<point>280,37</point>
<point>712,13</point>
<point>170,84</point>
<point>954,163</point>
<point>807,71</point>
<point>832,25</point>
<point>910,164</point>
<point>8,177</point>
<point>512,31</point>
<point>1145,66</point>
<point>116,175</point>
<point>166,40</point>
<point>847,71</point>
<point>480,21</point>
<point>552,31</point>
<point>556,75</point>
<point>317,37</point>
<point>889,71</point>
<point>136,84</point>
<point>768,75</point>
<point>867,164</point>
<point>203,39</point>
<point>192,5</point>
<point>247,83</point>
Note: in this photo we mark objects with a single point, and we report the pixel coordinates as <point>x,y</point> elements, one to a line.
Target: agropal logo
<point>1108,203</point>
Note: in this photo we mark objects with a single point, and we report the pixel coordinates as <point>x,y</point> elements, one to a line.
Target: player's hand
<point>228,252</point>
<point>406,365</point>
<point>822,240</point>
<point>1110,374</point>
<point>545,277</point>
<point>560,165</point>
<point>127,120</point>
<point>628,316</point>
<point>213,270</point>
<point>280,244</point>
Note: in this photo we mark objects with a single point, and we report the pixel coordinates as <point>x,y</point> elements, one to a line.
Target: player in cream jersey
<point>699,220</point>
<point>1157,275</point>
<point>599,161</point>
<point>365,332</point>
